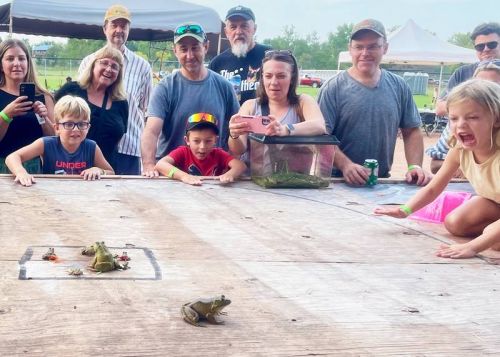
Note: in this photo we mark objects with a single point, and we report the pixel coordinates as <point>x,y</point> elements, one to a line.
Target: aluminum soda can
<point>371,166</point>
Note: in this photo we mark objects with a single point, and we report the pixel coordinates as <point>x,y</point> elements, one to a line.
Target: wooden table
<point>309,272</point>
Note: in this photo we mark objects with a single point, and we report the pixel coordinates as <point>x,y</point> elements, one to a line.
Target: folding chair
<point>428,122</point>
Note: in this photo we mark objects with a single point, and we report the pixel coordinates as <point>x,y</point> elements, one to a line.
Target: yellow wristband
<point>5,117</point>
<point>406,209</point>
<point>172,171</point>
<point>411,167</point>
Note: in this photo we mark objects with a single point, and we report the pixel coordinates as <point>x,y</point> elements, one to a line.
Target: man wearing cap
<point>192,89</point>
<point>138,82</point>
<point>365,105</point>
<point>486,39</point>
<point>244,59</point>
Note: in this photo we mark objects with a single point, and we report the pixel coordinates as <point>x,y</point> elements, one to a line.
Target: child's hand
<point>94,173</point>
<point>455,251</point>
<point>395,212</point>
<point>226,178</point>
<point>191,180</point>
<point>25,179</point>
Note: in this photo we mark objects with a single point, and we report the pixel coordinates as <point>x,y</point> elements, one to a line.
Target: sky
<point>442,17</point>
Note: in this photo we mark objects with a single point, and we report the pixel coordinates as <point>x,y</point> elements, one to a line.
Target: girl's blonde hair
<point>115,90</point>
<point>484,93</point>
<point>72,106</point>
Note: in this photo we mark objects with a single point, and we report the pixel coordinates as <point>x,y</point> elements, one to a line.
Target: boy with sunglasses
<point>69,152</point>
<point>486,38</point>
<point>200,157</point>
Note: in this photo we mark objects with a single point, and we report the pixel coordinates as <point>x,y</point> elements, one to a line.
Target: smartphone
<point>257,123</point>
<point>27,89</point>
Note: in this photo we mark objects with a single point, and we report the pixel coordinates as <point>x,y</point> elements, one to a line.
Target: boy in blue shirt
<point>67,153</point>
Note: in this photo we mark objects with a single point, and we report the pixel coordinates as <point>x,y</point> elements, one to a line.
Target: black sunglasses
<point>481,46</point>
<point>181,30</point>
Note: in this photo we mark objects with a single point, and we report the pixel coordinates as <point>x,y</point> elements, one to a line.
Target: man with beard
<point>138,82</point>
<point>243,61</point>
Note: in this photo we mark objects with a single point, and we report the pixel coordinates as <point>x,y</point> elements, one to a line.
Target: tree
<point>462,40</point>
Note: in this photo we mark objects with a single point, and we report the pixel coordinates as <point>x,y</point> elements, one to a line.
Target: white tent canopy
<point>151,19</point>
<point>411,44</point>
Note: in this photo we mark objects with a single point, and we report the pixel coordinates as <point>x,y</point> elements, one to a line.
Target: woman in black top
<point>21,121</point>
<point>101,86</point>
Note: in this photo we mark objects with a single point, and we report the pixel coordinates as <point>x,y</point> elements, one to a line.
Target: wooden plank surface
<point>309,272</point>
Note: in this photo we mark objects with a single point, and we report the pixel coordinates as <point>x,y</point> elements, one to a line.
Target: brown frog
<point>207,309</point>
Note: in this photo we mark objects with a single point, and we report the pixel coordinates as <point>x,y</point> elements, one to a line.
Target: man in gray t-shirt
<point>193,89</point>
<point>364,107</point>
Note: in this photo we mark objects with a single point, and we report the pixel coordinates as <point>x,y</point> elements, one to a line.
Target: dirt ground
<point>399,166</point>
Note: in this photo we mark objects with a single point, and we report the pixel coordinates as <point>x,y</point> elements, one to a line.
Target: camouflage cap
<point>369,25</point>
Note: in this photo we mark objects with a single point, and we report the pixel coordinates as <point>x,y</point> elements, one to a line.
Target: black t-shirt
<point>107,126</point>
<point>249,68</point>
<point>23,129</point>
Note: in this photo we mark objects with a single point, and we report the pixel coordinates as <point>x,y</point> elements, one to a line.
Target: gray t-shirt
<point>460,75</point>
<point>366,120</point>
<point>175,98</point>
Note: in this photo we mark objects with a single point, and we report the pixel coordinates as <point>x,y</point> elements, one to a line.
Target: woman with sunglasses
<point>289,113</point>
<point>21,120</point>
<point>100,85</point>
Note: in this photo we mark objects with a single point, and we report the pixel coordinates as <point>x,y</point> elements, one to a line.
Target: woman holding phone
<point>22,121</point>
<point>289,113</point>
<point>101,86</point>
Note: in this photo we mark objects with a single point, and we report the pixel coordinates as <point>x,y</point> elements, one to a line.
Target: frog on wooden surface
<point>103,260</point>
<point>207,309</point>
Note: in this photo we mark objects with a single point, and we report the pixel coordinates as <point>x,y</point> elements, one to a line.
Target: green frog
<point>103,260</point>
<point>207,309</point>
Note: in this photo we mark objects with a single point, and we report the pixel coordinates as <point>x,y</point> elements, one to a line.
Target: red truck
<point>307,80</point>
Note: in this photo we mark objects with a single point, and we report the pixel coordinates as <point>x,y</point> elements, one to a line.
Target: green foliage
<point>462,40</point>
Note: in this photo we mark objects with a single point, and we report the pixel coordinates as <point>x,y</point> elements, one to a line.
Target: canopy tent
<point>152,20</point>
<point>411,44</point>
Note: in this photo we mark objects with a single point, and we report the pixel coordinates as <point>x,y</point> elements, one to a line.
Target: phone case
<point>27,89</point>
<point>257,123</point>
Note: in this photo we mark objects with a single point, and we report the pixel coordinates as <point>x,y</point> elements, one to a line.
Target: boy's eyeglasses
<point>481,46</point>
<point>199,117</point>
<point>270,53</point>
<point>70,125</point>
<point>115,67</point>
<point>196,29</point>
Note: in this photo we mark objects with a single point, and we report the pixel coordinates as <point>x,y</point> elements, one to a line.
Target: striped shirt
<point>441,148</point>
<point>138,83</point>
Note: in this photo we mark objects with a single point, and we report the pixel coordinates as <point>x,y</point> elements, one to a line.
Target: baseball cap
<point>370,25</point>
<point>189,29</point>
<point>201,121</point>
<point>117,12</point>
<point>241,11</point>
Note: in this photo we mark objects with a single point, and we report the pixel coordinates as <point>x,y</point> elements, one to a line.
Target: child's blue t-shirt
<point>56,160</point>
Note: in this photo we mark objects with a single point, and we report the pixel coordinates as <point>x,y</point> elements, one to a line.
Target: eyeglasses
<point>70,125</point>
<point>371,48</point>
<point>196,29</point>
<point>199,117</point>
<point>481,46</point>
<point>270,53</point>
<point>115,67</point>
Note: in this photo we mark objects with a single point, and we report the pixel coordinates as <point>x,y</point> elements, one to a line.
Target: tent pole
<point>440,79</point>
<point>220,43</point>
<point>10,21</point>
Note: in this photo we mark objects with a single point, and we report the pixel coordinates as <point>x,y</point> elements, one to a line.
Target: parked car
<point>307,80</point>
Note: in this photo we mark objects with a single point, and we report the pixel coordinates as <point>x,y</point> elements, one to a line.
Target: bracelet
<point>172,171</point>
<point>233,137</point>
<point>406,209</point>
<point>411,167</point>
<point>5,117</point>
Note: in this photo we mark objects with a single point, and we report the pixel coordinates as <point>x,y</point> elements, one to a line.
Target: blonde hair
<point>493,65</point>
<point>115,90</point>
<point>484,93</point>
<point>72,106</point>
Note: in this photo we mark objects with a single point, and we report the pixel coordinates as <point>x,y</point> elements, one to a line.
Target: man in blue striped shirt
<point>138,82</point>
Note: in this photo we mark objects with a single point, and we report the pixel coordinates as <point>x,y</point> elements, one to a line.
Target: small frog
<point>50,255</point>
<point>103,260</point>
<point>207,309</point>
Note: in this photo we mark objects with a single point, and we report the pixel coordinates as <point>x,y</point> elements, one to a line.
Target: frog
<point>103,260</point>
<point>204,308</point>
<point>89,251</point>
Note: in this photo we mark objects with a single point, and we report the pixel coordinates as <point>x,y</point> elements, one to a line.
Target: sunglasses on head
<point>195,29</point>
<point>270,53</point>
<point>481,46</point>
<point>202,117</point>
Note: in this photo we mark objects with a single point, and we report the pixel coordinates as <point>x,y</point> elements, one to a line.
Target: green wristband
<point>406,209</point>
<point>172,172</point>
<point>411,167</point>
<point>5,117</point>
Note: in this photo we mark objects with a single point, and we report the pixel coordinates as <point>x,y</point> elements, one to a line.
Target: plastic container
<point>292,161</point>
<point>437,211</point>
